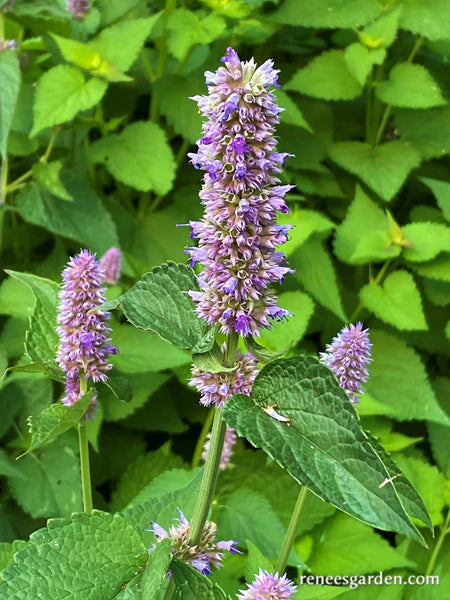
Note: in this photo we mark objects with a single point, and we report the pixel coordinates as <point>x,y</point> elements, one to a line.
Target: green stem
<point>368,114</point>
<point>49,149</point>
<point>84,457</point>
<point>202,438</point>
<point>4,181</point>
<point>211,469</point>
<point>388,109</point>
<point>438,546</point>
<point>291,531</point>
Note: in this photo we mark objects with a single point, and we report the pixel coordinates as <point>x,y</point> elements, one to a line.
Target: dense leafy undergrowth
<point>95,126</point>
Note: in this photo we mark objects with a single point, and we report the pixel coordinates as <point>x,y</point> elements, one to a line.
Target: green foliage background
<point>95,124</point>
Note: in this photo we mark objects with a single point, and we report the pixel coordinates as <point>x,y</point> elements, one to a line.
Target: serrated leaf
<point>360,60</point>
<point>9,85</point>
<point>429,18</point>
<point>397,301</point>
<point>48,175</point>
<point>77,220</point>
<point>86,556</point>
<point>383,31</point>
<point>438,268</point>
<point>327,13</point>
<point>292,115</point>
<point>240,517</point>
<point>7,467</point>
<point>164,508</point>
<point>438,434</point>
<point>288,333</point>
<point>324,448</point>
<point>156,571</point>
<point>141,472</point>
<point>327,76</point>
<point>192,585</point>
<point>109,43</point>
<point>425,241</point>
<point>410,86</point>
<point>441,191</point>
<point>383,168</point>
<point>315,271</point>
<point>41,340</point>
<point>187,28</point>
<point>304,224</point>
<point>139,156</point>
<point>399,383</point>
<point>174,95</point>
<point>428,131</point>
<point>48,483</point>
<point>62,93</point>
<point>255,561</point>
<point>159,303</point>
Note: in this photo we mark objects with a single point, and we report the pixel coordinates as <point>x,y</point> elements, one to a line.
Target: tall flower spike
<point>110,265</point>
<point>238,235</point>
<point>227,452</point>
<point>347,356</point>
<point>79,8</point>
<point>216,388</point>
<point>208,552</point>
<point>268,587</point>
<point>84,346</point>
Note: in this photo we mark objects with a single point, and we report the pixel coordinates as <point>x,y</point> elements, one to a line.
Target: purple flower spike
<point>227,452</point>
<point>347,356</point>
<point>206,554</point>
<point>268,587</point>
<point>237,236</point>
<point>110,266</point>
<point>84,346</point>
<point>216,388</point>
<point>79,8</point>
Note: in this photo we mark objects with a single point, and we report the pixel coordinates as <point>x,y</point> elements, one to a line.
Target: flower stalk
<point>291,530</point>
<point>84,456</point>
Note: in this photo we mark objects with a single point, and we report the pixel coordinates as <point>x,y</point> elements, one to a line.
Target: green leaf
<point>139,157</point>
<point>62,93</point>
<point>7,467</point>
<point>41,339</point>
<point>77,220</point>
<point>186,29</point>
<point>141,472</point>
<point>240,517</point>
<point>438,434</point>
<point>326,76</point>
<point>9,86</point>
<point>48,175</point>
<point>292,115</point>
<point>383,168</point>
<point>256,560</point>
<point>315,271</point>
<point>284,334</point>
<point>410,86</point>
<point>86,556</point>
<point>141,351</point>
<point>109,43</point>
<point>156,571</point>
<point>174,95</point>
<point>360,60</point>
<point>439,268</point>
<point>429,18</point>
<point>164,508</point>
<point>324,448</point>
<point>428,131</point>
<point>87,58</point>
<point>159,303</point>
<point>16,299</point>
<point>430,483</point>
<point>397,301</point>
<point>327,13</point>
<point>399,383</point>
<point>54,421</point>
<point>425,241</point>
<point>305,222</point>
<point>441,191</point>
<point>353,548</point>
<point>192,585</point>
<point>383,31</point>
<point>48,482</point>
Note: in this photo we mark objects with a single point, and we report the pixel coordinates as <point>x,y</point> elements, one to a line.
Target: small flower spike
<point>347,356</point>
<point>110,266</point>
<point>206,554</point>
<point>227,452</point>
<point>84,346</point>
<point>268,587</point>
